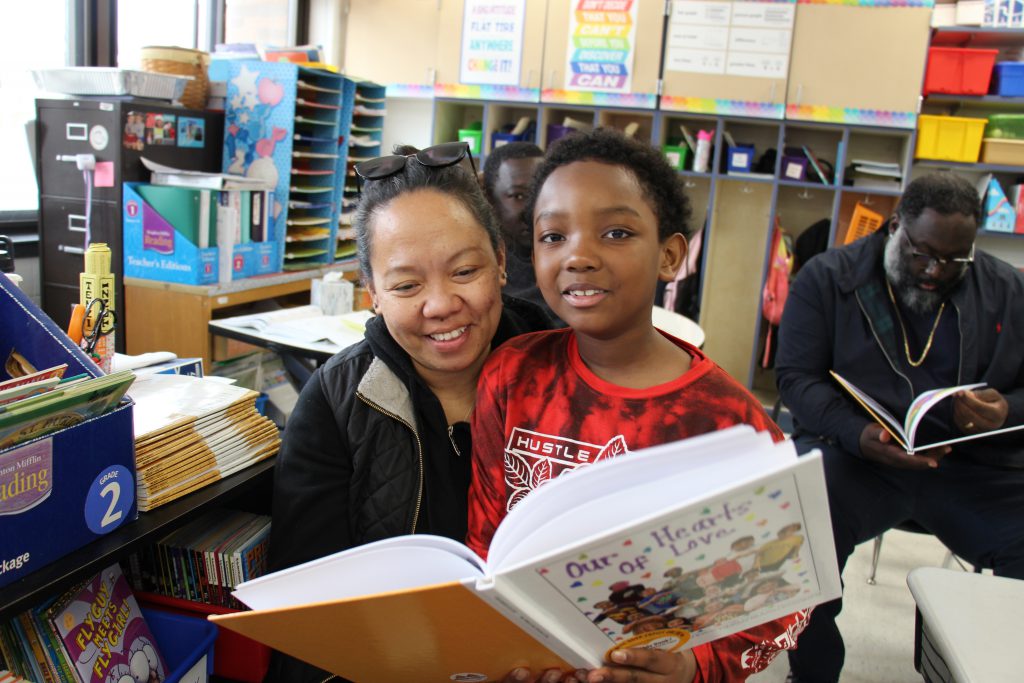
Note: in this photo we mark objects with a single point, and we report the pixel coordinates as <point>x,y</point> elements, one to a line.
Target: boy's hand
<point>878,445</point>
<point>980,410</point>
<point>640,665</point>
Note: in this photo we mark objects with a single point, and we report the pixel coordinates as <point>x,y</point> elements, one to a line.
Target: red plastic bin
<point>235,657</point>
<point>959,71</point>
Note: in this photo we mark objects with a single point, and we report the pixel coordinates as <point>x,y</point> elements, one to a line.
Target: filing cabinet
<point>118,132</point>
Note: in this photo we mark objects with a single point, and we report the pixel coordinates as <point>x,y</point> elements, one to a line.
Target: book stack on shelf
<point>870,174</point>
<point>365,143</point>
<point>204,560</point>
<point>312,211</point>
<point>191,432</point>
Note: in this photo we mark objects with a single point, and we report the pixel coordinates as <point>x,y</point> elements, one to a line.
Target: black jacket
<point>837,317</point>
<point>359,445</point>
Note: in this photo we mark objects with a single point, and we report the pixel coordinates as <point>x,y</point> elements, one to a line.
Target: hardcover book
<point>668,547</point>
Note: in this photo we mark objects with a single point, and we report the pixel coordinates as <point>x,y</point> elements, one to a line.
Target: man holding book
<point>912,307</point>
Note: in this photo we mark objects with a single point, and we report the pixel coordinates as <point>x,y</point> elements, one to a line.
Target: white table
<point>679,326</point>
<point>968,626</point>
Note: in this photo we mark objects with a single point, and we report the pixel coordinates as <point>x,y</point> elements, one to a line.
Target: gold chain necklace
<point>931,335</point>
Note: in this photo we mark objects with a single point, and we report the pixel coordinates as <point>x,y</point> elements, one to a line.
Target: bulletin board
<point>728,57</point>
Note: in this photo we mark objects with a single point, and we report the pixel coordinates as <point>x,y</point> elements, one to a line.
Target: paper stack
<point>191,432</point>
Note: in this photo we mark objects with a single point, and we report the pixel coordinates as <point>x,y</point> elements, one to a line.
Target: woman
<point>378,444</point>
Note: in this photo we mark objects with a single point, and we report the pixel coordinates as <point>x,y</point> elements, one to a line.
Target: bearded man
<point>910,308</point>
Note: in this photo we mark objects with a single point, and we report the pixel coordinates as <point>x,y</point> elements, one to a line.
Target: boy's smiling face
<point>596,249</point>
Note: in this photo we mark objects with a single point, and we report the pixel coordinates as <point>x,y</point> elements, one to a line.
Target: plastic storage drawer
<point>1009,126</point>
<point>958,71</point>
<point>949,138</point>
<point>186,644</point>
<point>1008,79</point>
<point>1002,152</point>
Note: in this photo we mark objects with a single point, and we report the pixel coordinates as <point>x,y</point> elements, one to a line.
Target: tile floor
<point>877,621</point>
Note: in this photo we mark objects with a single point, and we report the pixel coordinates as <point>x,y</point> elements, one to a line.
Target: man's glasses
<point>926,261</point>
<point>438,156</point>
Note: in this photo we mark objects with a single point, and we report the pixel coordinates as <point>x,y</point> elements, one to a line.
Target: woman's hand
<point>640,665</point>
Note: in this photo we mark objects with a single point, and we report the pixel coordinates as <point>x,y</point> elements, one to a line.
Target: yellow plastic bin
<point>949,138</point>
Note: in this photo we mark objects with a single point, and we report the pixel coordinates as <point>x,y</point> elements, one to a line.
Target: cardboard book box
<point>154,249</point>
<point>64,489</point>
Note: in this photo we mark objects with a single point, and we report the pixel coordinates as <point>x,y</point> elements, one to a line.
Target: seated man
<point>908,309</point>
<point>508,172</point>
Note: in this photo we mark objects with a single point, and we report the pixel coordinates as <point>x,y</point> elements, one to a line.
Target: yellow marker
<point>97,282</point>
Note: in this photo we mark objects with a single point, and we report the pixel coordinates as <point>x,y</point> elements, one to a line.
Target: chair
<point>915,528</point>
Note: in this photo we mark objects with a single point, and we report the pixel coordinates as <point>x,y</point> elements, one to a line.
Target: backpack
<point>776,285</point>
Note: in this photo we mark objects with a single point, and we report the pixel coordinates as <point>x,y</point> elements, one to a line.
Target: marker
<point>97,282</point>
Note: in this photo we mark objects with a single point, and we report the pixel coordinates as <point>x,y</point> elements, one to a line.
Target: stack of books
<point>876,175</point>
<point>42,402</point>
<point>191,432</point>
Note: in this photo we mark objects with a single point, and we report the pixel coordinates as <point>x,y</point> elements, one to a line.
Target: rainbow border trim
<point>504,93</point>
<point>704,105</point>
<point>600,99</point>
<point>412,90</point>
<point>866,117</point>
<point>871,3</point>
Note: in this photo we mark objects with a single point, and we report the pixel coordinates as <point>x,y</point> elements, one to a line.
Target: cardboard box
<point>63,490</point>
<point>155,250</point>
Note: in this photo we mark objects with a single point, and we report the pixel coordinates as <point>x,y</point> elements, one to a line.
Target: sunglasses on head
<point>438,156</point>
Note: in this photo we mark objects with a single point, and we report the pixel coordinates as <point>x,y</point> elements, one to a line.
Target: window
<point>141,23</point>
<point>24,46</point>
<point>261,22</point>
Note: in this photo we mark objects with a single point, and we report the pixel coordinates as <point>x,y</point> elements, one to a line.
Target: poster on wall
<point>732,38</point>
<point>602,44</point>
<point>492,42</point>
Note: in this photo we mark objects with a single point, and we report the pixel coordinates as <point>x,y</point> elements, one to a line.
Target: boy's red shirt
<point>535,391</point>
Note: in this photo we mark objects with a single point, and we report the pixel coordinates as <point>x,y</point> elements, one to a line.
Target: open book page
<point>923,403</point>
<point>881,415</point>
<point>745,549</point>
<point>261,321</point>
<point>388,565</point>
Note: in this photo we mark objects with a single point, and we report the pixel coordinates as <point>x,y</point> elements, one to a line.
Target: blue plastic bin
<point>498,139</point>
<point>184,642</point>
<point>740,158</point>
<point>1008,79</point>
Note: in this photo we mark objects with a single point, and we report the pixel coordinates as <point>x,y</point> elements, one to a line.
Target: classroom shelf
<point>987,100</point>
<point>970,167</point>
<point>149,527</point>
<point>977,36</point>
<point>806,185</point>
<point>877,191</point>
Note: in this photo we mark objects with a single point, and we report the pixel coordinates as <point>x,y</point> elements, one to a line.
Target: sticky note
<point>103,175</point>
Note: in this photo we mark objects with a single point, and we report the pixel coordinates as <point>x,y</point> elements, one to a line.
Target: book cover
<point>668,547</point>
<point>904,433</point>
<point>105,635</point>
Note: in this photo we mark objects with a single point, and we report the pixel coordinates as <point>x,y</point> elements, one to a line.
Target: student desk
<point>164,316</point>
<point>968,625</point>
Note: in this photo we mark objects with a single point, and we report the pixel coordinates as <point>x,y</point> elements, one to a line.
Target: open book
<point>905,433</point>
<point>668,547</point>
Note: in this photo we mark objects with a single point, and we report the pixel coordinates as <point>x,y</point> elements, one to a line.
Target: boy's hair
<point>499,155</point>
<point>658,181</point>
<point>453,181</point>
<point>944,193</point>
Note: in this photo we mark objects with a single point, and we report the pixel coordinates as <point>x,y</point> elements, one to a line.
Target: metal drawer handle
<point>72,217</point>
<point>68,249</point>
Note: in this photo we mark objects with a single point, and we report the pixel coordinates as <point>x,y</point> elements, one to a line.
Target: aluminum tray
<point>102,80</point>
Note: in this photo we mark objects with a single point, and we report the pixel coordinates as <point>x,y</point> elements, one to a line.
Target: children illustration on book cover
<point>737,557</point>
<point>105,635</point>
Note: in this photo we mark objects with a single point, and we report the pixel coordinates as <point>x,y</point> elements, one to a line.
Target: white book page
<point>923,403</point>
<point>261,321</point>
<point>876,409</point>
<point>392,564</point>
<point>555,497</point>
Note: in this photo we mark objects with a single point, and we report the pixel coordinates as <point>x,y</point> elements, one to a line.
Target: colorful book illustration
<point>906,432</point>
<point>105,635</point>
<point>620,553</point>
<point>60,408</point>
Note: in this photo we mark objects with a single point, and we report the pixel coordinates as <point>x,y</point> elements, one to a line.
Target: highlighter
<point>97,282</point>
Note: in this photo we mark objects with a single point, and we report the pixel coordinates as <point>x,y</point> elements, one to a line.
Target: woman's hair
<point>453,181</point>
<point>658,181</point>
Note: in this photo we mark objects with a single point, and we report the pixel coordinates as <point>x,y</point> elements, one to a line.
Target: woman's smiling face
<point>436,281</point>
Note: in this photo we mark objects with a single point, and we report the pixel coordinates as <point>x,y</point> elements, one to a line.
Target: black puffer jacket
<point>365,434</point>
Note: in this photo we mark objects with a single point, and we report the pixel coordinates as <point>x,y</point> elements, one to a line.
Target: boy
<point>608,215</point>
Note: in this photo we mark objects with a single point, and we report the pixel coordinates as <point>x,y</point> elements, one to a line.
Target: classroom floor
<point>877,621</point>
